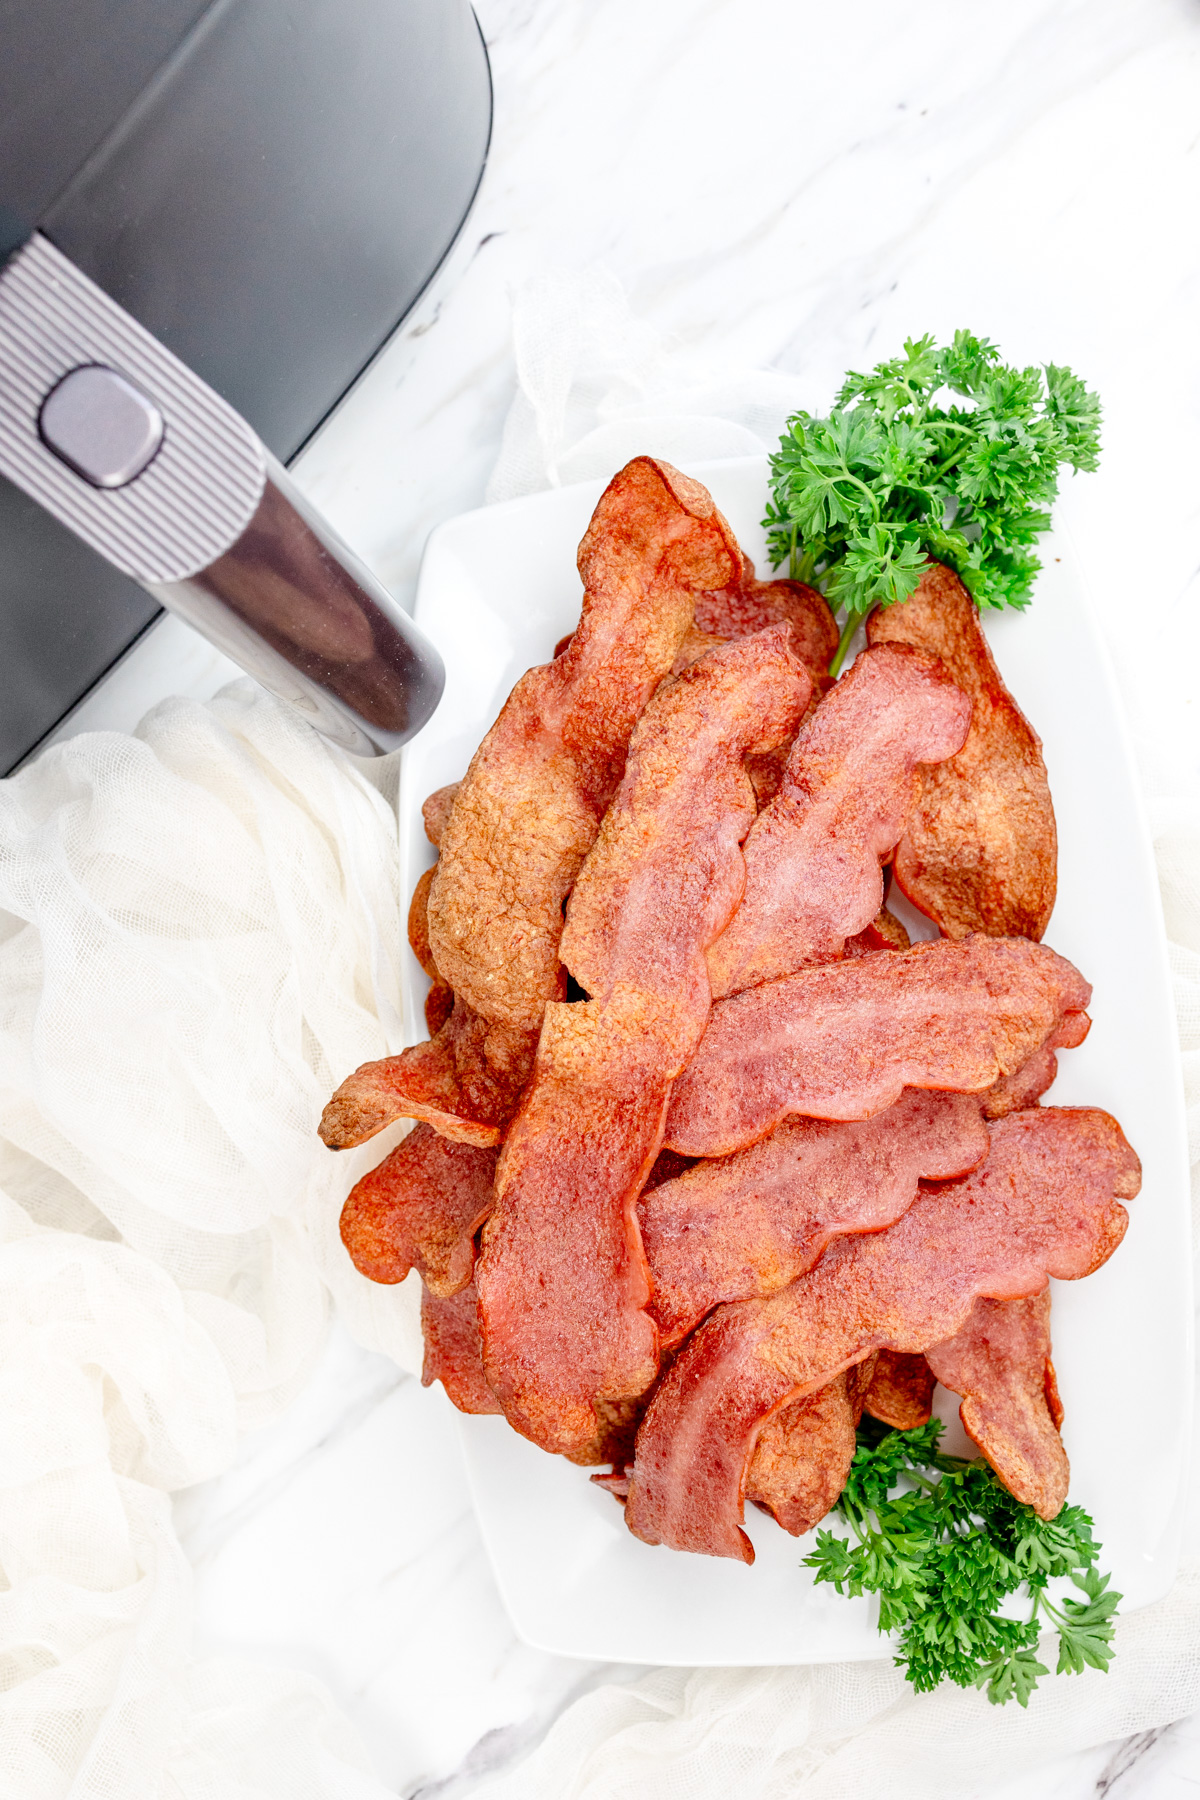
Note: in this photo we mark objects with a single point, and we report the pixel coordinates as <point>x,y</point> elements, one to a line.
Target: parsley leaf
<point>947,1551</point>
<point>862,500</point>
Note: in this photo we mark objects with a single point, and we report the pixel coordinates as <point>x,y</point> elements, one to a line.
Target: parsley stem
<point>952,425</point>
<point>853,620</point>
<point>950,1465</point>
<point>916,402</point>
<point>871,499</point>
<point>1043,1603</point>
<point>929,1486</point>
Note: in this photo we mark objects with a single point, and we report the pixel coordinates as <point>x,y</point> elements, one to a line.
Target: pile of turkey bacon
<point>710,1159</point>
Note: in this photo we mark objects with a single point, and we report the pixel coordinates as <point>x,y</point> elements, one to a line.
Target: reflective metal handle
<point>117,438</point>
<point>290,603</point>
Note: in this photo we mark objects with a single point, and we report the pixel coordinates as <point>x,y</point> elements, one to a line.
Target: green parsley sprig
<point>945,1553</point>
<point>861,501</point>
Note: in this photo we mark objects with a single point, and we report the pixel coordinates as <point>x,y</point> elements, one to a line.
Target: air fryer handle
<point>296,608</point>
<point>126,446</point>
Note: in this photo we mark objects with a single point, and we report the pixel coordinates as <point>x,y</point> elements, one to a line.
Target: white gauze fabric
<point>597,387</point>
<point>198,938</point>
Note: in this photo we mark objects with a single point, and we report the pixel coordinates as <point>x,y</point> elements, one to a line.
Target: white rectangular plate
<point>498,589</point>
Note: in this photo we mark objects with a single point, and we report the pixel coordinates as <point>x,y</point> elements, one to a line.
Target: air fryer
<point>211,219</point>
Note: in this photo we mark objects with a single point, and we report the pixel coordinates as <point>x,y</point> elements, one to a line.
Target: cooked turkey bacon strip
<point>561,1273</point>
<point>1046,1202</point>
<point>465,1082</point>
<point>841,1041</point>
<point>527,811</point>
<point>666,870</point>
<point>452,1354</point>
<point>981,851</point>
<point>562,1276</point>
<point>730,1228</point>
<point>900,1390</point>
<point>748,605</point>
<point>803,1453</point>
<point>435,810</point>
<point>813,875</point>
<point>439,1002</point>
<point>751,1223</point>
<point>1000,1363</point>
<point>420,1209</point>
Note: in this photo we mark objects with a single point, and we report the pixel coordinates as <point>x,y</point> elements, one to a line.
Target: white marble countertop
<point>783,184</point>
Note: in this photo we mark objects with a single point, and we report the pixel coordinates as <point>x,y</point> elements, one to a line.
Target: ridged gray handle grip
<point>211,525</point>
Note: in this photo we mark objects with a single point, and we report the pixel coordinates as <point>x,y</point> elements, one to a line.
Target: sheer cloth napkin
<point>198,936</point>
<point>197,939</point>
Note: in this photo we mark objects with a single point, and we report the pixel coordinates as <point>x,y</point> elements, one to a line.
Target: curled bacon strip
<point>748,605</point>
<point>803,1453</point>
<point>435,811</point>
<point>813,874</point>
<point>751,1223</point>
<point>1000,1363</point>
<point>514,832</point>
<point>1026,1085</point>
<point>452,1354</point>
<point>420,1209</point>
<point>900,1390</point>
<point>1044,1203</point>
<point>842,1040</point>
<point>465,1082</point>
<point>981,851</point>
<point>439,1002</point>
<point>528,809</point>
<point>562,1277</point>
<point>666,870</point>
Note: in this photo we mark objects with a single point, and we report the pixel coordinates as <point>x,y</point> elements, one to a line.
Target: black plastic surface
<point>271,207</point>
<point>281,196</point>
<point>69,71</point>
<point>65,617</point>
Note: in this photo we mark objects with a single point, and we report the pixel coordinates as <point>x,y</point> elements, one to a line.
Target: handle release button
<point>101,425</point>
